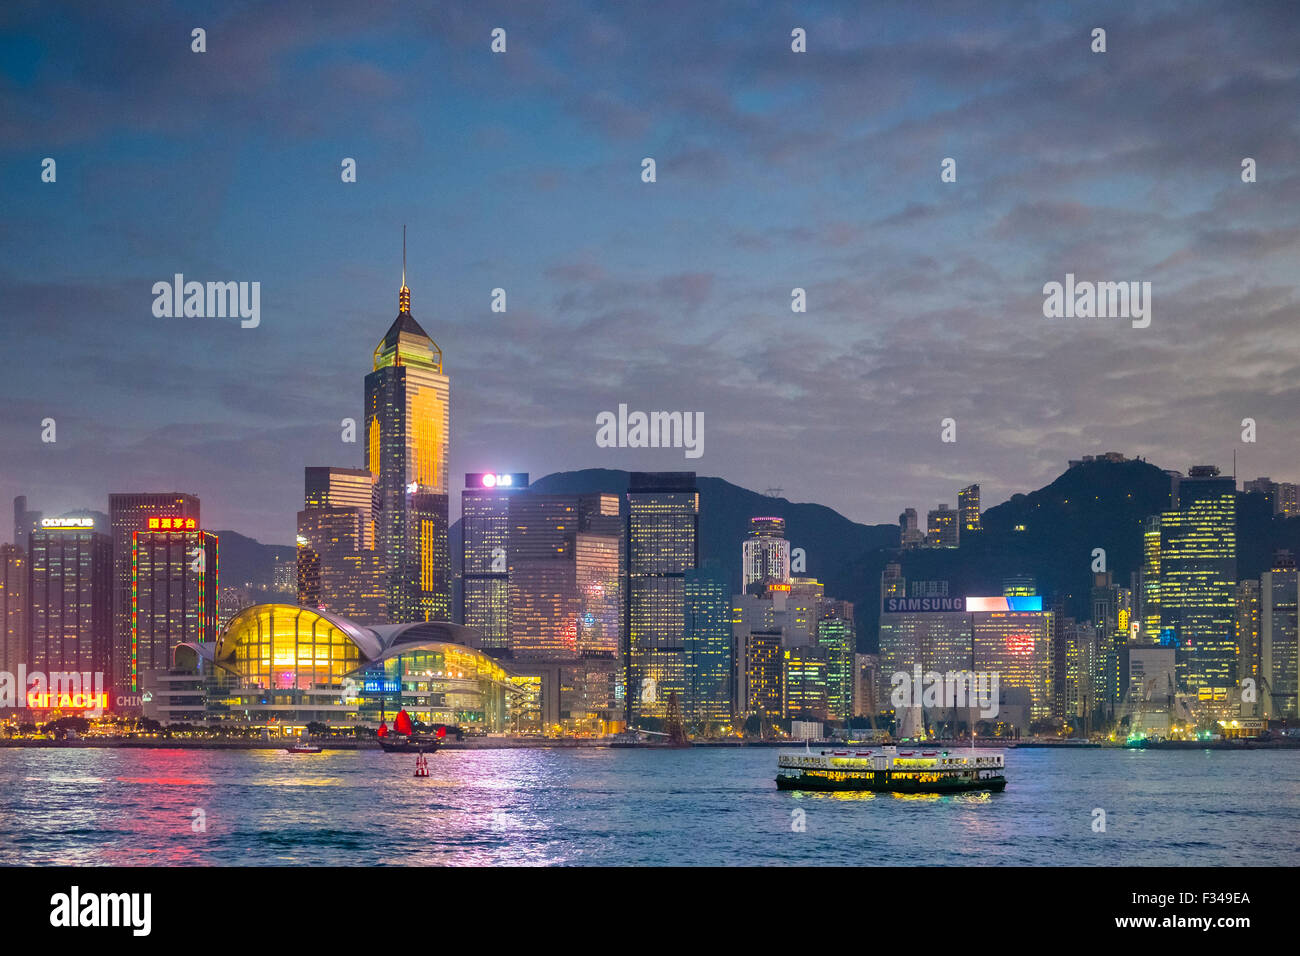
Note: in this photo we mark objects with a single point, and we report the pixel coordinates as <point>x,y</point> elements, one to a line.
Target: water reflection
<point>628,807</point>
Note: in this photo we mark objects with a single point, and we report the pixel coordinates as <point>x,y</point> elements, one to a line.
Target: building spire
<point>404,296</point>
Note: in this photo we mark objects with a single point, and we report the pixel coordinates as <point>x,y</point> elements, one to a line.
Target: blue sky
<point>522,171</point>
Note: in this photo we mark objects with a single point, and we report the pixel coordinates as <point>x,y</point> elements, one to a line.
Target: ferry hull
<point>873,783</point>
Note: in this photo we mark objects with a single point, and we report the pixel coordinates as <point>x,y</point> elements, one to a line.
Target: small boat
<point>891,771</point>
<point>303,748</point>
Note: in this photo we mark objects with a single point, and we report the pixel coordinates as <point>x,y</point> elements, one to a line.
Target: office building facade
<point>70,600</point>
<point>175,574</point>
<point>408,426</point>
<point>128,515</point>
<point>662,545</point>
<point>484,557</point>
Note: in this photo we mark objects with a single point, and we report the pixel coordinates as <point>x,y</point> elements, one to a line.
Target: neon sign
<point>172,524</point>
<point>496,479</point>
<point>60,523</point>
<point>1020,602</point>
<point>39,701</point>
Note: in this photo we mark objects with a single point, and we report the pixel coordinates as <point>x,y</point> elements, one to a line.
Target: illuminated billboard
<point>1031,602</point>
<point>496,479</point>
<point>63,524</point>
<point>172,524</point>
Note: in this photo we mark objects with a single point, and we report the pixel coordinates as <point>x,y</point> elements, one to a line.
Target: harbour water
<point>597,806</point>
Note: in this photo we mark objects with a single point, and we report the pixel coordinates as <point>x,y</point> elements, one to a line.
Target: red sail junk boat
<point>404,740</point>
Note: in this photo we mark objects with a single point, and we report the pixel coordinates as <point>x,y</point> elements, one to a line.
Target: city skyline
<point>924,297</point>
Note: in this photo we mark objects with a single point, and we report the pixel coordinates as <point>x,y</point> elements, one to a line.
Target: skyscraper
<point>1198,580</point>
<point>1279,631</point>
<point>1249,624</point>
<point>129,514</point>
<point>13,607</point>
<point>564,589</point>
<point>327,487</point>
<point>662,545</point>
<point>707,644</point>
<point>837,637</point>
<point>484,569</point>
<point>175,574</point>
<point>765,554</point>
<point>968,509</point>
<point>408,425</point>
<point>338,567</point>
<point>69,598</point>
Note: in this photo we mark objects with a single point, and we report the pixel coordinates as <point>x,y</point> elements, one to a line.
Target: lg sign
<point>495,479</point>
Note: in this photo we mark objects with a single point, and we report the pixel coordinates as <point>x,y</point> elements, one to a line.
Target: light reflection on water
<point>630,807</point>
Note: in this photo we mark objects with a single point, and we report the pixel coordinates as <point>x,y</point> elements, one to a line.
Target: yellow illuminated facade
<point>408,429</point>
<point>281,666</point>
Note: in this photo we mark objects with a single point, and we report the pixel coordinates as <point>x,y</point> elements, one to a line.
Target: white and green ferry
<point>890,770</point>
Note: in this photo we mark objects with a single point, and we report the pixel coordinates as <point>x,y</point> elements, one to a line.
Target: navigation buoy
<point>421,765</point>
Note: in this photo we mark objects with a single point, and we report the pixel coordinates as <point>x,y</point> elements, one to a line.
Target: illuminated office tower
<point>662,545</point>
<point>707,643</point>
<point>1111,614</point>
<point>765,554</point>
<point>408,425</point>
<point>338,567</point>
<point>174,589</point>
<point>1249,625</point>
<point>1278,590</point>
<point>968,509</point>
<point>127,515</point>
<point>804,683</point>
<point>1150,581</point>
<point>70,598</point>
<point>942,529</point>
<point>927,627</point>
<point>334,572</point>
<point>1198,582</point>
<point>1011,636</point>
<point>485,540</point>
<point>802,601</point>
<point>838,638</point>
<point>762,687</point>
<point>326,487</point>
<point>564,590</point>
<point>13,607</point>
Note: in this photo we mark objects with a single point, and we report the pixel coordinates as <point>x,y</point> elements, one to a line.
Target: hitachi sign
<point>906,605</point>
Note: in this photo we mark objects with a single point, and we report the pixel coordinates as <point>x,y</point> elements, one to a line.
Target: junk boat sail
<point>890,771</point>
<point>404,739</point>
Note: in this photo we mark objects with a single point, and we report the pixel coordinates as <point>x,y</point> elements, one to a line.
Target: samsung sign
<point>907,605</point>
<point>1033,602</point>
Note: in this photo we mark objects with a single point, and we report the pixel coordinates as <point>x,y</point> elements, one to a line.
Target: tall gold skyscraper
<point>408,428</point>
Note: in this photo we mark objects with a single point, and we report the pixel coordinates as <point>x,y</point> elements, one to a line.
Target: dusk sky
<point>522,170</point>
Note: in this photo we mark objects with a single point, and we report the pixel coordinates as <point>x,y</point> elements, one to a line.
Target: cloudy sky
<point>522,171</point>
